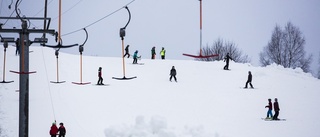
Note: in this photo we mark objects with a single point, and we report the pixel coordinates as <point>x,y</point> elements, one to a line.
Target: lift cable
<point>99,19</point>
<point>51,100</point>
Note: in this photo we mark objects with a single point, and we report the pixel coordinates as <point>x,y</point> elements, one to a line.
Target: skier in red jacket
<point>54,130</point>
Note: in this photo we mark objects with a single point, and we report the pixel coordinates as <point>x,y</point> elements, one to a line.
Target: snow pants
<point>174,76</point>
<point>135,61</point>
<point>100,81</point>
<point>248,82</point>
<point>275,117</point>
<point>269,113</point>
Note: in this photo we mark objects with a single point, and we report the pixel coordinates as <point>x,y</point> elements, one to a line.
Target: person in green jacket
<point>153,53</point>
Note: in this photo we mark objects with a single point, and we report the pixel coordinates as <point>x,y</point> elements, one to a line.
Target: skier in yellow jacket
<point>163,53</point>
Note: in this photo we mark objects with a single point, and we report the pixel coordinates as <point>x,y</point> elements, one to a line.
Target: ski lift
<point>58,35</point>
<point>58,46</point>
<point>57,56</point>
<point>200,54</point>
<point>81,50</point>
<point>122,35</point>
<point>22,44</point>
<point>5,45</point>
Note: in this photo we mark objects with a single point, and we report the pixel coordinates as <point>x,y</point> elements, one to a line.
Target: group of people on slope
<point>54,131</point>
<point>136,57</point>
<point>173,74</point>
<point>276,109</point>
<point>162,53</point>
<point>227,58</point>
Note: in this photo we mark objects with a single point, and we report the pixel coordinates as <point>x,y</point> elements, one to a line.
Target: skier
<point>276,109</point>
<point>249,80</point>
<point>127,51</point>
<point>269,106</point>
<point>100,77</point>
<point>173,74</point>
<point>135,57</point>
<point>163,53</point>
<point>62,130</point>
<point>54,130</point>
<point>17,47</point>
<point>153,53</point>
<point>226,59</point>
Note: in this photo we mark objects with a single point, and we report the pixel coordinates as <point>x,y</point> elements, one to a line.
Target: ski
<point>270,119</point>
<point>101,85</point>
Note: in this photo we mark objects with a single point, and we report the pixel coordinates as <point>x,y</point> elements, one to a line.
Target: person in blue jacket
<point>135,57</point>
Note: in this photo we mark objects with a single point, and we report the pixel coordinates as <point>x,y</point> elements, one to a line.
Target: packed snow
<point>207,101</point>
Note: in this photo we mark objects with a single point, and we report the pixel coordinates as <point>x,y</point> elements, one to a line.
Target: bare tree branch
<point>286,48</point>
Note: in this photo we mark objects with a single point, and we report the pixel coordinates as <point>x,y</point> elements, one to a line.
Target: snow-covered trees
<point>286,48</point>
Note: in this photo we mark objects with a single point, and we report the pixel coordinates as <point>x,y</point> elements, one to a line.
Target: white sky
<point>175,24</point>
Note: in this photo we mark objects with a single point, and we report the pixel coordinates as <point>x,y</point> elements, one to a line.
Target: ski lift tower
<point>24,65</point>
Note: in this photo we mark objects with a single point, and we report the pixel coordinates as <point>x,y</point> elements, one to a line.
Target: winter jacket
<point>153,51</point>
<point>269,106</point>
<point>173,72</point>
<point>62,130</point>
<point>135,55</point>
<point>127,49</point>
<point>162,52</point>
<point>53,130</point>
<point>249,77</point>
<point>99,74</point>
<point>276,106</point>
<point>227,58</point>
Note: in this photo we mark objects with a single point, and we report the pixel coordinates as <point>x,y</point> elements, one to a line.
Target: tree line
<point>286,47</point>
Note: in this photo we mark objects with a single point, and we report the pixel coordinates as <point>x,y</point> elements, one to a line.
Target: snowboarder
<point>163,53</point>
<point>100,76</point>
<point>54,130</point>
<point>135,57</point>
<point>269,106</point>
<point>62,130</point>
<point>173,73</point>
<point>127,52</point>
<point>226,59</point>
<point>17,47</point>
<point>153,53</point>
<point>249,80</point>
<point>276,109</point>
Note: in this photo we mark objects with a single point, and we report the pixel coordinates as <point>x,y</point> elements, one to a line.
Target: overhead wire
<point>45,67</point>
<point>41,9</point>
<point>12,11</point>
<point>56,16</point>
<point>99,19</point>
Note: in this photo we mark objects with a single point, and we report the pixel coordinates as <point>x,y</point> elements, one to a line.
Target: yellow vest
<point>162,52</point>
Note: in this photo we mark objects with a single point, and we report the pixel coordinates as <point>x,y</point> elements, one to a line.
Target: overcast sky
<point>174,24</point>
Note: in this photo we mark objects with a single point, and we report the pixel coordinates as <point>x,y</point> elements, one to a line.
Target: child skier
<point>135,57</point>
<point>269,106</point>
<point>173,74</point>
<point>100,77</point>
<point>62,130</point>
